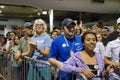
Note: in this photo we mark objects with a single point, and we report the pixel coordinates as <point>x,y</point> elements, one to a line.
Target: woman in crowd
<point>3,41</point>
<point>87,62</point>
<point>15,64</point>
<point>40,44</point>
<point>100,48</point>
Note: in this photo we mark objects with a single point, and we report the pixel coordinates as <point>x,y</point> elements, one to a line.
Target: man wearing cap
<point>24,48</point>
<point>113,35</point>
<point>64,46</point>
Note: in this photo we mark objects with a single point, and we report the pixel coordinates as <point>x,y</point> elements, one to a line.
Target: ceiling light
<point>2,6</point>
<point>0,11</point>
<point>44,12</point>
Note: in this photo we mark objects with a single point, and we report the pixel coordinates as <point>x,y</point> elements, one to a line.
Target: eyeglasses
<point>39,25</point>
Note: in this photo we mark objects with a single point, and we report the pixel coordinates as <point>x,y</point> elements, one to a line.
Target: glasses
<point>39,25</point>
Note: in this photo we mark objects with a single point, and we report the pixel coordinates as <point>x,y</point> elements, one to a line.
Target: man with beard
<point>24,49</point>
<point>64,46</point>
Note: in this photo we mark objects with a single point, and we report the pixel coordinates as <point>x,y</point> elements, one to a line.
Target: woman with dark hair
<point>87,62</point>
<point>3,41</point>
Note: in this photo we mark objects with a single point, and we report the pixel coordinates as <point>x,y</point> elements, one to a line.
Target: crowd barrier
<point>27,69</point>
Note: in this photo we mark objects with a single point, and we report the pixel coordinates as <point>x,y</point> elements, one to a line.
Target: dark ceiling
<point>28,12</point>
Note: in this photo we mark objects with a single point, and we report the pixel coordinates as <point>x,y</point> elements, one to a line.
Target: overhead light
<point>44,12</point>
<point>2,6</point>
<point>0,11</point>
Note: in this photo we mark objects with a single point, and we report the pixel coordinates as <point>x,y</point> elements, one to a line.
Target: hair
<point>39,21</point>
<point>14,39</point>
<point>4,39</point>
<point>84,35</point>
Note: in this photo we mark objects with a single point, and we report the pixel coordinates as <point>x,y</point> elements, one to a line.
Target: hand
<point>20,60</point>
<point>32,44</point>
<point>88,73</point>
<point>110,68</point>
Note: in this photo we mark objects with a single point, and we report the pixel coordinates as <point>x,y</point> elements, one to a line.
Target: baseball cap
<point>28,24</point>
<point>67,22</point>
<point>118,20</point>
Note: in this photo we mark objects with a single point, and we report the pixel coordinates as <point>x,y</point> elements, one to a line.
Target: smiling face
<point>89,42</point>
<point>69,31</point>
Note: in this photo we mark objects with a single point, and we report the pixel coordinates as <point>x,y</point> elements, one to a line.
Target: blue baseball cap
<point>67,22</point>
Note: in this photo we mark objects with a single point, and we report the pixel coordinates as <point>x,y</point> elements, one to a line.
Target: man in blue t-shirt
<point>64,46</point>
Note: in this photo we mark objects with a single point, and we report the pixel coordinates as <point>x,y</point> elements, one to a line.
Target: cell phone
<point>96,72</point>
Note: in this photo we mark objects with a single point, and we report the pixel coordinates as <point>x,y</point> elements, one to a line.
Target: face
<point>2,40</point>
<point>69,31</point>
<point>54,35</point>
<point>99,37</point>
<point>39,28</point>
<point>28,31</point>
<point>89,42</point>
<point>104,32</point>
<point>12,35</point>
<point>58,31</point>
<point>77,30</point>
<point>16,40</point>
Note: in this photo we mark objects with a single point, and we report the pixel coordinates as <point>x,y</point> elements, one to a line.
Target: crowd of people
<point>70,49</point>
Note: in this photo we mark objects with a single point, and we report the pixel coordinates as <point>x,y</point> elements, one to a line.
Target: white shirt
<point>113,50</point>
<point>100,48</point>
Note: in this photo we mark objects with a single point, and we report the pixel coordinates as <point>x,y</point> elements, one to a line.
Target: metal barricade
<point>26,69</point>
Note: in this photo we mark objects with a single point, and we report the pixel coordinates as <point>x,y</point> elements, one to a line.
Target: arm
<point>55,62</point>
<point>46,43</point>
<point>9,49</point>
<point>108,56</point>
<point>28,53</point>
<point>109,62</point>
<point>43,52</point>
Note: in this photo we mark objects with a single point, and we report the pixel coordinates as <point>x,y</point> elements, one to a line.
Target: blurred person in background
<point>115,34</point>
<point>15,64</point>
<point>10,37</point>
<point>3,41</point>
<point>100,48</point>
<point>58,29</point>
<point>54,34</point>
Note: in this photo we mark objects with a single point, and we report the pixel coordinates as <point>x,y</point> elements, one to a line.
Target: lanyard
<point>70,49</point>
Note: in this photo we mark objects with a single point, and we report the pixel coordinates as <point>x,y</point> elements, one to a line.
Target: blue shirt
<point>42,42</point>
<point>60,50</point>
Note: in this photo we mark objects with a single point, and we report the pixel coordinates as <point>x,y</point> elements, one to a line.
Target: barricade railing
<point>26,69</point>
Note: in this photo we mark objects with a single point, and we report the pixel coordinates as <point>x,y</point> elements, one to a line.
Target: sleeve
<point>70,66</point>
<point>97,48</point>
<point>19,45</point>
<point>108,51</point>
<point>102,49</point>
<point>53,50</point>
<point>48,41</point>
